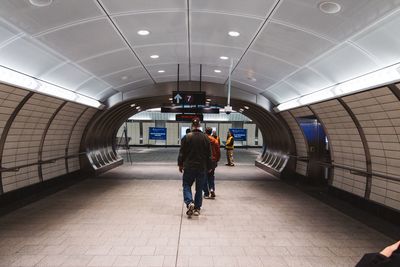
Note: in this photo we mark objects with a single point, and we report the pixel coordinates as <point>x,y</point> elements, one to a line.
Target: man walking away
<point>229,148</point>
<point>209,186</point>
<point>194,160</point>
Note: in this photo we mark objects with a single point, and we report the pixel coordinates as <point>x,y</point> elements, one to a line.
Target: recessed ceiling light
<point>329,7</point>
<point>233,33</point>
<point>252,79</point>
<point>133,105</point>
<point>170,99</point>
<point>208,99</point>
<point>143,32</point>
<point>154,56</point>
<point>124,77</point>
<point>241,110</point>
<point>138,107</point>
<point>246,107</point>
<point>224,57</point>
<point>41,3</point>
<point>161,71</point>
<point>217,71</point>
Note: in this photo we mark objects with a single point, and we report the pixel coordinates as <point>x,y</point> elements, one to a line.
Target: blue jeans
<point>210,181</point>
<point>189,177</point>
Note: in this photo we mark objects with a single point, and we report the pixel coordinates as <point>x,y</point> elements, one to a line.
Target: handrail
<point>301,158</point>
<point>360,172</point>
<point>47,161</point>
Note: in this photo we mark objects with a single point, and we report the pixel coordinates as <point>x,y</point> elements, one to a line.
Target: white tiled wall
<point>23,140</point>
<point>301,145</point>
<point>57,137</point>
<point>378,112</point>
<point>76,136</point>
<point>346,145</point>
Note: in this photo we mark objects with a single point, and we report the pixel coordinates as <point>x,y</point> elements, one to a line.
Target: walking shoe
<point>196,212</point>
<point>227,164</point>
<point>207,196</point>
<point>212,194</point>
<point>190,207</point>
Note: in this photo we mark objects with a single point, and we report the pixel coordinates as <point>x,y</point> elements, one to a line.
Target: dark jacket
<point>379,260</point>
<point>195,152</point>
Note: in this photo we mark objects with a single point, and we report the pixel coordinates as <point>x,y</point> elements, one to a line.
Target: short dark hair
<point>208,130</point>
<point>196,122</point>
<point>187,130</point>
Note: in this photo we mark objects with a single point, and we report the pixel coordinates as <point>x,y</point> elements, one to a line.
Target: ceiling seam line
<point>255,36</point>
<point>125,40</point>
<point>188,25</point>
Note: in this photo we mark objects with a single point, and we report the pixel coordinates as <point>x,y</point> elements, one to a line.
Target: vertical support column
<point>330,178</point>
<point>40,153</point>
<point>69,138</point>
<point>365,145</point>
<point>6,130</point>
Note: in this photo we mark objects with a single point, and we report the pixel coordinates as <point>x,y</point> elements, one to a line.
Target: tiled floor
<point>118,221</point>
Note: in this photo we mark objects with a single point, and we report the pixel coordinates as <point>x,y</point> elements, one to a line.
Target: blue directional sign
<point>239,134</point>
<point>156,133</point>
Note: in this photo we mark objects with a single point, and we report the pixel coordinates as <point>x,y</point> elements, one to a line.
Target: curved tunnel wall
<point>364,137</point>
<point>100,138</point>
<point>40,137</point>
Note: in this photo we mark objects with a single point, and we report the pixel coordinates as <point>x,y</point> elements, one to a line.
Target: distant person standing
<point>229,148</point>
<point>194,161</point>
<point>209,186</point>
<point>216,137</point>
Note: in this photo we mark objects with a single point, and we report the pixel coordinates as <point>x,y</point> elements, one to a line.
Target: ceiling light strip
<point>377,78</point>
<point>18,79</point>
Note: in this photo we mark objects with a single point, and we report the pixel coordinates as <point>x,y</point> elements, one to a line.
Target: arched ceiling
<point>286,48</point>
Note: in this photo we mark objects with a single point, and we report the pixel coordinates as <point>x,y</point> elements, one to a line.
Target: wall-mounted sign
<point>239,134</point>
<point>189,98</point>
<point>156,133</point>
<point>188,117</point>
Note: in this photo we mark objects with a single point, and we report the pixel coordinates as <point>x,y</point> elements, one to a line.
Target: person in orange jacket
<point>209,186</point>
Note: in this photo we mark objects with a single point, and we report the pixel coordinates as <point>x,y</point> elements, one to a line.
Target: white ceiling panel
<point>32,19</point>
<point>289,44</point>
<point>209,71</point>
<point>170,70</point>
<point>246,87</point>
<point>383,40</point>
<point>306,81</point>
<point>93,87</point>
<point>111,62</point>
<point>252,78</point>
<point>6,32</point>
<point>282,92</point>
<point>210,54</point>
<point>162,79</point>
<point>353,16</point>
<point>67,76</point>
<point>27,56</point>
<point>213,28</point>
<point>258,8</point>
<point>164,27</point>
<point>135,85</point>
<point>173,53</point>
<point>211,79</point>
<point>265,65</point>
<point>343,63</point>
<point>126,76</point>
<point>123,6</point>
<point>106,93</point>
<point>84,40</point>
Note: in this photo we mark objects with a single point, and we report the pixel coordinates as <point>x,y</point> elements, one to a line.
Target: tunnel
<point>313,85</point>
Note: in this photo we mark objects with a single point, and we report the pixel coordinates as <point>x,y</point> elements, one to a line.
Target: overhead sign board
<point>189,98</point>
<point>179,109</point>
<point>188,117</point>
<point>156,133</point>
<point>239,134</point>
